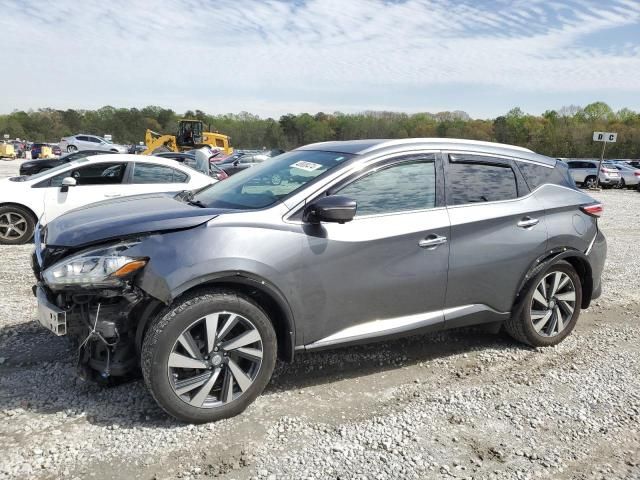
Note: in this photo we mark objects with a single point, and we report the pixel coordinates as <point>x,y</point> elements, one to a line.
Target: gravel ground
<point>460,404</point>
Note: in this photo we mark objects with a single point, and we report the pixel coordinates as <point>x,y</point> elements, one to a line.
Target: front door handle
<point>432,241</point>
<point>528,222</point>
<point>108,195</point>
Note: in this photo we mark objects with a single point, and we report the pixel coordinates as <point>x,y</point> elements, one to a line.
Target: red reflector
<point>595,209</point>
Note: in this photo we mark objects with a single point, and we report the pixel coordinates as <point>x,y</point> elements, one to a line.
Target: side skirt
<point>378,330</point>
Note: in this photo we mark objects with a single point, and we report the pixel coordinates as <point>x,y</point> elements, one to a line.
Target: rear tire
<point>199,378</point>
<point>16,225</point>
<point>550,309</point>
<point>72,148</point>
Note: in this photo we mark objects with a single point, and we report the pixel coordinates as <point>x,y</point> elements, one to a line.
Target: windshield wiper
<point>197,203</point>
<point>187,196</point>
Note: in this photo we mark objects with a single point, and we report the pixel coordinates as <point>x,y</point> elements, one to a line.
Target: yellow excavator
<point>190,135</point>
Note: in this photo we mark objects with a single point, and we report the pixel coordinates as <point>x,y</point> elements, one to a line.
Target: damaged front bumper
<point>103,321</point>
<point>103,324</point>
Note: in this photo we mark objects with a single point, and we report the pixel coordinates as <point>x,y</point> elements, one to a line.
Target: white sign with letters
<point>608,137</point>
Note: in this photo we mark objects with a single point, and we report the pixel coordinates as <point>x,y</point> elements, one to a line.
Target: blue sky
<point>272,57</point>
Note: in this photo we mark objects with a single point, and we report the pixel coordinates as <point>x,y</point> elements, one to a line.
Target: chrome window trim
<point>495,155</point>
<point>530,194</point>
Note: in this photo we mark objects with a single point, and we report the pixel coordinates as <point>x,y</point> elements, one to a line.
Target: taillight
<point>594,209</point>
<point>637,173</point>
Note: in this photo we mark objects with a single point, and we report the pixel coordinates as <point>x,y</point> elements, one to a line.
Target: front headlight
<point>103,267</point>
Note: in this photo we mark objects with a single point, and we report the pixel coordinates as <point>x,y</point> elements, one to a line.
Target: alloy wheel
<point>591,182</point>
<point>215,360</point>
<point>553,304</point>
<point>72,148</point>
<point>12,226</point>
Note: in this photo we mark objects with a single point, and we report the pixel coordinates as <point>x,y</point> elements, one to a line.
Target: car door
<point>153,177</point>
<point>82,142</point>
<point>498,230</point>
<point>94,143</point>
<point>384,272</point>
<point>94,182</point>
<point>576,172</point>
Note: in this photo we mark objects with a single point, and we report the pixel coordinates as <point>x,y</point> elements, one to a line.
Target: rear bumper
<point>609,181</point>
<point>597,255</point>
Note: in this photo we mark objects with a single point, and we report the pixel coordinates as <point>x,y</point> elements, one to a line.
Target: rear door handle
<point>112,195</point>
<point>432,241</point>
<point>528,222</point>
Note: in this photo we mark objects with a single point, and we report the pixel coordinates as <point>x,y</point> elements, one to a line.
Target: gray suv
<point>365,240</point>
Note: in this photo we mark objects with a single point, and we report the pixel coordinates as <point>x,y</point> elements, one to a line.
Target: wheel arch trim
<point>23,206</point>
<point>243,280</point>
<point>576,258</point>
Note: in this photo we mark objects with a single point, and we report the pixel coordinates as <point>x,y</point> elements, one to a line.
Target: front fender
<point>230,257</point>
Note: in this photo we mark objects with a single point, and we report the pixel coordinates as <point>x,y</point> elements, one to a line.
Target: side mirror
<point>66,183</point>
<point>334,208</point>
<point>236,162</point>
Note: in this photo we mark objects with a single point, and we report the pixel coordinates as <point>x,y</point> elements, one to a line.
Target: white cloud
<point>274,56</point>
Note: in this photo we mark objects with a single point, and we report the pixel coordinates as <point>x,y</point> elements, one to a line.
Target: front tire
<point>16,225</point>
<point>209,356</point>
<point>550,309</point>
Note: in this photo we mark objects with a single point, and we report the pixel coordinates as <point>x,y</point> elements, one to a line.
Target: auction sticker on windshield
<point>308,166</point>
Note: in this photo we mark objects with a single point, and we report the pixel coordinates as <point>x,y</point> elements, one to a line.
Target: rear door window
<point>154,173</point>
<point>479,180</point>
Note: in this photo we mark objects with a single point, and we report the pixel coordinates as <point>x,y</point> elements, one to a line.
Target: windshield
<point>271,181</point>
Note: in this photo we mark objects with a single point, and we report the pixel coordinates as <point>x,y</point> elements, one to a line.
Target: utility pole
<point>604,137</point>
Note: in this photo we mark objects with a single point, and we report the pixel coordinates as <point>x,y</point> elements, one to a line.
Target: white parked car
<point>44,196</point>
<point>90,142</point>
<point>584,173</point>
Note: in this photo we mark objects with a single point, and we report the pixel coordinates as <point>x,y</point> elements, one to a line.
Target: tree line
<point>566,132</point>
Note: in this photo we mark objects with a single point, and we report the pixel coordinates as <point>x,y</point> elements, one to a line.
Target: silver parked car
<point>629,175</point>
<point>361,241</point>
<point>585,173</point>
<point>90,142</point>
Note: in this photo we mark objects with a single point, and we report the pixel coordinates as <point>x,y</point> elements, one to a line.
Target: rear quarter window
<point>536,175</point>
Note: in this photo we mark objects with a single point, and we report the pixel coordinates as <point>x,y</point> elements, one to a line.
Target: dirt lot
<point>461,404</point>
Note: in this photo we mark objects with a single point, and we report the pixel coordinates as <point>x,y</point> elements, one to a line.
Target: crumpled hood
<point>112,219</point>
